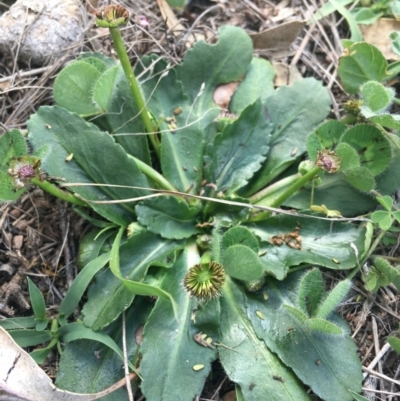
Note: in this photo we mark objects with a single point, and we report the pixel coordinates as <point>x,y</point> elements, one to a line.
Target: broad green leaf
<point>96,159</point>
<point>383,218</point>
<point>239,235</point>
<point>237,153</point>
<point>323,243</point>
<point>333,299</point>
<point>311,291</point>
<point>336,194</point>
<point>169,349</point>
<point>18,323</point>
<point>366,16</point>
<point>177,3</point>
<point>79,285</point>
<point>78,331</point>
<point>120,114</point>
<point>99,366</point>
<point>73,88</point>
<point>91,245</point>
<point>349,156</point>
<point>386,201</point>
<point>396,215</point>
<point>391,121</point>
<point>37,300</point>
<point>182,139</point>
<point>376,98</point>
<point>361,63</point>
<point>326,136</point>
<point>295,111</point>
<point>108,296</point>
<point>328,363</point>
<point>246,359</point>
<point>257,84</point>
<point>394,343</point>
<point>373,148</point>
<point>95,62</point>
<point>169,216</point>
<point>242,262</point>
<point>360,178</point>
<point>29,338</point>
<point>211,65</point>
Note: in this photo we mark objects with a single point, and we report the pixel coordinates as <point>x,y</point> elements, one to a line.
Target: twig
<point>125,352</point>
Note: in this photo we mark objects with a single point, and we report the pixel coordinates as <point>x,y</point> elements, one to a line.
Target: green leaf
<point>323,243</point>
<point>120,114</point>
<point>391,121</point>
<point>349,156</point>
<point>396,215</point>
<point>333,299</point>
<point>239,236</point>
<point>242,262</point>
<point>257,84</point>
<point>246,359</point>
<point>73,88</point>
<point>323,326</point>
<point>360,178</point>
<point>382,218</point>
<point>182,139</point>
<point>373,148</point>
<point>238,152</point>
<point>376,98</point>
<point>96,159</point>
<point>326,136</point>
<point>327,363</point>
<point>361,63</point>
<point>311,291</point>
<point>108,296</point>
<point>78,331</point>
<point>100,366</point>
<point>169,349</point>
<point>391,274</point>
<point>394,343</point>
<point>169,216</point>
<point>295,111</point>
<point>91,245</point>
<point>29,338</point>
<point>215,64</point>
<point>79,285</point>
<point>386,201</point>
<point>18,323</point>
<point>297,313</point>
<point>37,300</point>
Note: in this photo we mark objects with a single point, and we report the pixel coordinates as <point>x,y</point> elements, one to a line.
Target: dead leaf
<point>279,37</point>
<point>22,379</point>
<point>377,34</point>
<point>285,74</point>
<point>223,93</point>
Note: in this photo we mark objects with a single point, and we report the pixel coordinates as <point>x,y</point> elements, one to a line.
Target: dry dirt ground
<point>39,235</point>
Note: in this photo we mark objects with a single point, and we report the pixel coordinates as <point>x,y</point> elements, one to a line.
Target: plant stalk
<point>133,84</point>
<point>303,180</point>
<point>58,192</point>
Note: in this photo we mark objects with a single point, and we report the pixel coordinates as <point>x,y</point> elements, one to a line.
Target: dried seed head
<point>112,16</point>
<point>23,170</point>
<point>204,281</point>
<point>328,160</point>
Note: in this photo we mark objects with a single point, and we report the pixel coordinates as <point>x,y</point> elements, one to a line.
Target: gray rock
<point>37,30</point>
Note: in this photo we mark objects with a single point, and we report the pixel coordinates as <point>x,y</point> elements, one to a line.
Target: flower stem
<point>153,174</point>
<point>133,84</point>
<point>304,179</point>
<point>58,192</point>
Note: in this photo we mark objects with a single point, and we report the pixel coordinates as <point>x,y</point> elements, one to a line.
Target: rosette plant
<point>191,242</point>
